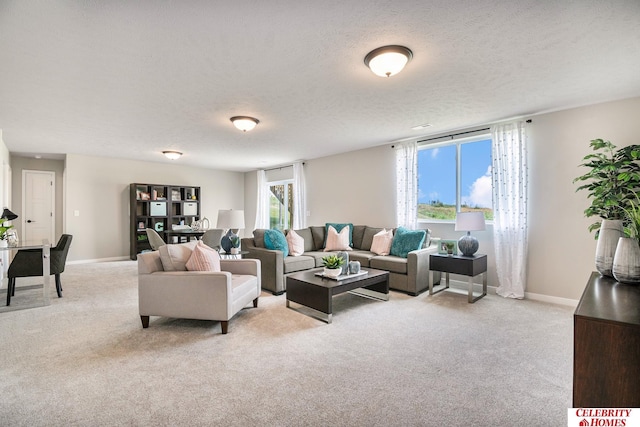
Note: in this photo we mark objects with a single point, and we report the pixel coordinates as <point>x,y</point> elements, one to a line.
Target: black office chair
<point>28,263</point>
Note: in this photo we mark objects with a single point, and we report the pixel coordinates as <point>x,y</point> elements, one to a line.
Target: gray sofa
<point>410,275</point>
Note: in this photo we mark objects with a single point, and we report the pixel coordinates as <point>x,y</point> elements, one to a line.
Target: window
<point>281,204</point>
<point>455,176</point>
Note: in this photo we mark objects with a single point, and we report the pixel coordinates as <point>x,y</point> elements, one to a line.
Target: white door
<point>38,199</point>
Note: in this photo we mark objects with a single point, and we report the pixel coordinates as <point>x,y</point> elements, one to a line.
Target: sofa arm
<point>271,266</point>
<point>418,270</point>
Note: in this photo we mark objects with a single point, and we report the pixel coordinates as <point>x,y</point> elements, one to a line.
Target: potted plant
<point>3,232</point>
<point>332,265</point>
<point>626,262</point>
<point>611,183</point>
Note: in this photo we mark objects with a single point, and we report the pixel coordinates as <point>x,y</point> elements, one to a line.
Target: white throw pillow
<point>174,257</point>
<point>337,241</point>
<point>203,258</point>
<point>382,242</point>
<point>295,242</point>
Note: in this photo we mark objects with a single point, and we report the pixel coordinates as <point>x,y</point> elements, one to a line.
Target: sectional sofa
<point>410,274</point>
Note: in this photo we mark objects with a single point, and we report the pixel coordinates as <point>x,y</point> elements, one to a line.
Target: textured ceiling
<point>129,79</point>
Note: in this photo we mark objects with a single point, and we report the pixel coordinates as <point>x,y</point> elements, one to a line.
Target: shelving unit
<point>159,207</point>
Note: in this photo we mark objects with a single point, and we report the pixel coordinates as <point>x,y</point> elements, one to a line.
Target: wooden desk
<point>606,345</point>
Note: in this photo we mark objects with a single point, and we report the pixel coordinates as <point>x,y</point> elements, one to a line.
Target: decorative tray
<point>343,276</point>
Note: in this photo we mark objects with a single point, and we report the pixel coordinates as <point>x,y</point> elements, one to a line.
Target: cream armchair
<point>166,288</point>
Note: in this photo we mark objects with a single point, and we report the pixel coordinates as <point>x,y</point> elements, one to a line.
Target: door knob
<point>29,221</point>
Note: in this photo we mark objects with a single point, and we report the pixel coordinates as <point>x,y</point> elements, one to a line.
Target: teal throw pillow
<point>275,239</point>
<point>405,241</point>
<point>338,227</point>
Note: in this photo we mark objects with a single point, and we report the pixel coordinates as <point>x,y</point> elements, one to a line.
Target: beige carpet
<point>411,361</point>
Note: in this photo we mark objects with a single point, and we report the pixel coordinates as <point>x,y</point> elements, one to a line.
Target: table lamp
<point>231,220</point>
<point>469,221</point>
<point>8,215</point>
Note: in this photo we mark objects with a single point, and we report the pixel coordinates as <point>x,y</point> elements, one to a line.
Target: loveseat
<point>410,274</point>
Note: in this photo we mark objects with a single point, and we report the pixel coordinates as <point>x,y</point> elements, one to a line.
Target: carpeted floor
<point>411,361</point>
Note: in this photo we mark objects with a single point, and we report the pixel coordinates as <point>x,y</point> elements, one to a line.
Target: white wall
<point>98,188</point>
<point>359,187</point>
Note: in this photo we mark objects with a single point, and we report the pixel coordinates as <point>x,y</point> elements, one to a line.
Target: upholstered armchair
<point>167,288</point>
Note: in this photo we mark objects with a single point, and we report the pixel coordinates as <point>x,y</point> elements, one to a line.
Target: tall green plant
<point>612,180</point>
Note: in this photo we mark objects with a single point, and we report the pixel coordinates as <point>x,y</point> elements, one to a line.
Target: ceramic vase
<point>4,243</point>
<point>345,266</point>
<point>626,262</point>
<point>610,231</point>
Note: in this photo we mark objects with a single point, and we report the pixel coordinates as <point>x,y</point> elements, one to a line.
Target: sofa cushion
<point>382,242</point>
<point>203,258</point>
<point>258,237</point>
<point>337,241</point>
<point>275,240</point>
<point>357,235</point>
<point>295,243</point>
<point>306,234</point>
<point>298,263</point>
<point>390,263</point>
<point>317,256</point>
<point>318,234</point>
<point>338,226</point>
<point>175,256</point>
<point>367,238</point>
<point>363,257</point>
<point>406,241</point>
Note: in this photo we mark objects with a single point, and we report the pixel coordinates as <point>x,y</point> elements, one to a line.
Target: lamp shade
<point>230,219</point>
<point>388,60</point>
<point>470,221</point>
<point>8,215</point>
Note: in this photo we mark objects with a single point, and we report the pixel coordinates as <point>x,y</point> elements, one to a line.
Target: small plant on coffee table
<point>332,261</point>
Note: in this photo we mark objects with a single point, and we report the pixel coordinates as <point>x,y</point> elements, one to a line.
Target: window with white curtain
<point>281,204</point>
<point>455,176</point>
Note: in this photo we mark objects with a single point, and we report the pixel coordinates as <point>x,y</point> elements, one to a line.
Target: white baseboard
<point>458,284</point>
<point>89,261</point>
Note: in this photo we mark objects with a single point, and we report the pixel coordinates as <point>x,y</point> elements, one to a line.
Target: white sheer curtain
<point>299,197</point>
<point>262,205</point>
<point>510,207</point>
<point>407,185</point>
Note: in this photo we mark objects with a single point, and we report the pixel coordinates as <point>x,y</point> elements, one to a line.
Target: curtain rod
<point>281,167</point>
<point>456,134</point>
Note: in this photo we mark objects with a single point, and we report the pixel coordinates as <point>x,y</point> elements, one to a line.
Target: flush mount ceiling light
<point>244,123</point>
<point>173,155</point>
<point>424,126</point>
<point>387,61</point>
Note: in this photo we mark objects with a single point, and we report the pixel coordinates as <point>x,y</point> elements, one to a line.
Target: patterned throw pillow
<point>406,241</point>
<point>338,227</point>
<point>203,258</point>
<point>337,241</point>
<point>382,242</point>
<point>274,239</point>
<point>296,243</point>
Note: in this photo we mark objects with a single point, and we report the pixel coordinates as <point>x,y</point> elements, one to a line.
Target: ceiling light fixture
<point>424,126</point>
<point>387,61</point>
<point>244,123</point>
<point>173,155</point>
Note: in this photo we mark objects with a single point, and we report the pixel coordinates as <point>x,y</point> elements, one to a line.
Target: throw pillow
<point>406,241</point>
<point>338,227</point>
<point>295,242</point>
<point>203,258</point>
<point>337,241</point>
<point>174,257</point>
<point>274,239</point>
<point>382,242</point>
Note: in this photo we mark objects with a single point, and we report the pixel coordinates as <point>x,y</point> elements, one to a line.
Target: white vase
<point>332,272</point>
<point>3,243</point>
<point>626,262</point>
<point>610,231</point>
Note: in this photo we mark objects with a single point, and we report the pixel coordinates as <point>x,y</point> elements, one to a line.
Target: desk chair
<point>28,263</point>
<point>154,239</point>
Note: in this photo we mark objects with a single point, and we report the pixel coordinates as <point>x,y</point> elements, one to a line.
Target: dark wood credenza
<point>606,345</point>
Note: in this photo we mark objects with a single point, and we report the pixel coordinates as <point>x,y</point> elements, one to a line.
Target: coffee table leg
<point>311,312</point>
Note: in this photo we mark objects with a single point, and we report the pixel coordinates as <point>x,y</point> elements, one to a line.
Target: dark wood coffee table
<point>317,292</point>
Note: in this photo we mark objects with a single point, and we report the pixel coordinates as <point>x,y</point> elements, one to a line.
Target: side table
<point>458,264</point>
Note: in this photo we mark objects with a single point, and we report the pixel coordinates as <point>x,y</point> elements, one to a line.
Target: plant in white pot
<point>3,231</point>
<point>611,183</point>
<point>332,265</point>
<point>626,262</point>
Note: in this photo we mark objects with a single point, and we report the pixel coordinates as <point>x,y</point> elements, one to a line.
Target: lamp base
<point>226,242</point>
<point>468,245</point>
